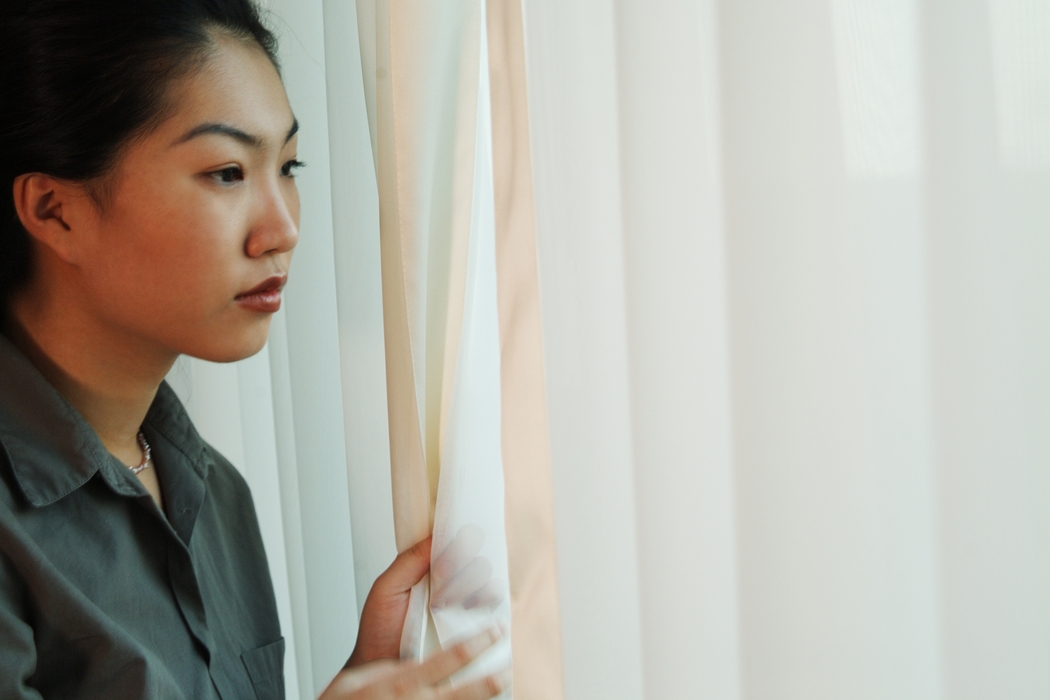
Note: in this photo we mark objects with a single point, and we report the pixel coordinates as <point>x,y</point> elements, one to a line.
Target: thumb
<point>408,569</point>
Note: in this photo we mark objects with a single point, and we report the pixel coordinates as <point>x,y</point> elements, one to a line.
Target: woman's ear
<point>48,209</point>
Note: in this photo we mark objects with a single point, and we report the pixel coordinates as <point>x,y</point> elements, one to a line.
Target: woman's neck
<point>109,378</point>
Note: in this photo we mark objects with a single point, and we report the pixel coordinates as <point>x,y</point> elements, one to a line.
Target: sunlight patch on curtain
<point>876,61</point>
<point>1020,31</point>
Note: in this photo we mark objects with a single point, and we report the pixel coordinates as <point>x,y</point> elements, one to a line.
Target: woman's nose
<point>275,229</point>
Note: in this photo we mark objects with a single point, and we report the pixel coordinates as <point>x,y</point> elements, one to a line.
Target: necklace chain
<point>145,454</point>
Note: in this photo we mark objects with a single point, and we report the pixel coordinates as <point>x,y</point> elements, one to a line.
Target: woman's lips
<point>265,297</point>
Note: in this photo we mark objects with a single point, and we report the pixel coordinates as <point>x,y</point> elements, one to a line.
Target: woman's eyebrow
<point>293,131</point>
<point>232,132</point>
<point>221,130</point>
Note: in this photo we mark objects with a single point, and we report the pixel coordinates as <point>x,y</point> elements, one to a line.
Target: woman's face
<point>199,220</point>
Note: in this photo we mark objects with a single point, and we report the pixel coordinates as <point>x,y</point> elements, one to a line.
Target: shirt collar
<point>53,451</point>
<point>168,418</point>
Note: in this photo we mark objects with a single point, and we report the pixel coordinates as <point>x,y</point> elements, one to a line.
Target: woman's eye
<point>289,168</point>
<point>228,176</point>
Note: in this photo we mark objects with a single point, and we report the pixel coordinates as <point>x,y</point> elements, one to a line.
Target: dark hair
<point>80,78</point>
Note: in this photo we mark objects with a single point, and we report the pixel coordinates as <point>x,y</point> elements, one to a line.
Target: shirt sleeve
<point>17,648</point>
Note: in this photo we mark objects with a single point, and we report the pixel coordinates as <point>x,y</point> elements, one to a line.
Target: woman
<point>149,152</point>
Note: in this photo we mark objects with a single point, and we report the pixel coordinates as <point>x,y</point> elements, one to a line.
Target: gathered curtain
<point>461,317</point>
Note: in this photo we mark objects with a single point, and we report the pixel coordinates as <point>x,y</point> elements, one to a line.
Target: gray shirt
<point>102,595</point>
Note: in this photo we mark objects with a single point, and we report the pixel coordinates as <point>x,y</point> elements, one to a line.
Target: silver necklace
<point>145,454</point>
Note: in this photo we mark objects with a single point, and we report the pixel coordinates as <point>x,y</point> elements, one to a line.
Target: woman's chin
<point>230,347</point>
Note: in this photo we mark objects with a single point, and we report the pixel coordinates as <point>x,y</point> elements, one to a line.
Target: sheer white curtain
<point>795,272</point>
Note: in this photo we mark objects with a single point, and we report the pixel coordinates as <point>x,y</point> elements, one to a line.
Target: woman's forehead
<point>237,91</point>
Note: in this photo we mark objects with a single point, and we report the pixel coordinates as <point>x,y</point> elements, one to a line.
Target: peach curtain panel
<point>445,90</point>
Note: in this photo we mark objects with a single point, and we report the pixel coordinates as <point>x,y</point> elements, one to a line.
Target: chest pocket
<point>266,669</point>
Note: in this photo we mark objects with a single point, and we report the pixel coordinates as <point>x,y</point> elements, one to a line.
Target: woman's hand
<point>374,671</point>
<point>383,617</point>
<point>387,679</point>
<point>460,577</point>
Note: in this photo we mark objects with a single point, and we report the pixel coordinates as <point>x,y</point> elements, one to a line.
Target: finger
<point>488,596</point>
<point>444,663</point>
<point>464,547</point>
<point>472,578</point>
<point>482,689</point>
<point>351,680</point>
<point>408,569</point>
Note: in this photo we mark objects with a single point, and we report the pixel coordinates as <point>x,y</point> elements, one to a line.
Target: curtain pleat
<point>526,449</point>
